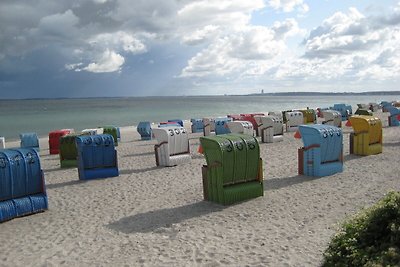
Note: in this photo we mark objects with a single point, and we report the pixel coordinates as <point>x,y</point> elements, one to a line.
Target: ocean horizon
<point>45,115</point>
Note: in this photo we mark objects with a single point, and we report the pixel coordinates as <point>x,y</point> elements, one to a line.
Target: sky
<point>105,48</point>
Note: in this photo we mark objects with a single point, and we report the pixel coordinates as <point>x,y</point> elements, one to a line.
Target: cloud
<point>247,51</point>
<point>108,62</point>
<point>200,36</point>
<point>118,41</point>
<point>289,5</point>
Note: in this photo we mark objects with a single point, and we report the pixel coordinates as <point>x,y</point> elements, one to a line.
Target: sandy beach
<point>156,216</point>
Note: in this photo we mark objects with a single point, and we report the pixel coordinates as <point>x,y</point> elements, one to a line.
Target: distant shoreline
<point>254,94</point>
<point>327,93</point>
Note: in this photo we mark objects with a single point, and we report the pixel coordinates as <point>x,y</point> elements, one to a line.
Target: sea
<point>45,115</point>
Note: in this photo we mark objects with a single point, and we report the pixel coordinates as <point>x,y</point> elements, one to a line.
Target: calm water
<point>42,116</point>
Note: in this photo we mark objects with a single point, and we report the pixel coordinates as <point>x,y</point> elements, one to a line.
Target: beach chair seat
<point>221,126</point>
<point>251,118</point>
<point>68,151</point>
<point>234,168</point>
<point>97,156</point>
<point>29,140</point>
<point>309,116</point>
<point>271,129</point>
<point>54,140</point>
<point>322,154</point>
<point>209,126</point>
<point>332,117</point>
<point>2,142</point>
<point>366,138</point>
<point>144,129</point>
<point>173,146</point>
<point>113,131</point>
<point>197,125</point>
<point>293,120</point>
<point>22,186</point>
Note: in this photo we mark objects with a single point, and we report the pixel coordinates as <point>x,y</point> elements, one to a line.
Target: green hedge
<point>371,238</point>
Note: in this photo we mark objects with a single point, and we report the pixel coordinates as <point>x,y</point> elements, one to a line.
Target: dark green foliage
<point>372,238</point>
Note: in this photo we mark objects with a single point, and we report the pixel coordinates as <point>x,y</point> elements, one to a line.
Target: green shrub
<point>371,238</point>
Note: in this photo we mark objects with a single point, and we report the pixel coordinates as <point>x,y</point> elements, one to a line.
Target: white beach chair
<point>332,117</point>
<point>271,129</point>
<point>209,126</point>
<point>93,131</point>
<point>241,127</point>
<point>293,120</point>
<point>172,147</point>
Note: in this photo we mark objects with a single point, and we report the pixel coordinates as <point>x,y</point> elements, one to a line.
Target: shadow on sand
<point>152,220</point>
<point>139,170</point>
<point>278,183</point>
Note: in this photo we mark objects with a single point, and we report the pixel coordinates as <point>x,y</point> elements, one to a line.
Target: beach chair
<point>251,118</point>
<point>394,116</point>
<point>97,156</point>
<point>293,120</point>
<point>373,107</point>
<point>113,131</point>
<point>322,154</point>
<point>234,168</point>
<point>54,140</point>
<point>144,129</point>
<point>22,186</point>
<point>209,126</point>
<point>241,127</point>
<point>221,126</point>
<point>172,146</point>
<point>197,125</point>
<point>29,140</point>
<point>271,129</point>
<point>234,117</point>
<point>309,116</point>
<point>362,106</point>
<point>2,142</point>
<point>179,121</point>
<point>366,138</point>
<point>362,111</point>
<point>385,105</point>
<point>278,114</point>
<point>92,131</point>
<point>168,124</point>
<point>345,110</point>
<point>332,117</point>
<point>68,152</point>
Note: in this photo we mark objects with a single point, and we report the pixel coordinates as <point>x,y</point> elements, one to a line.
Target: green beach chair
<point>68,151</point>
<point>113,131</point>
<point>234,168</point>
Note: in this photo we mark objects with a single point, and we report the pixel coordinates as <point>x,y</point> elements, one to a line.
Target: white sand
<point>157,217</point>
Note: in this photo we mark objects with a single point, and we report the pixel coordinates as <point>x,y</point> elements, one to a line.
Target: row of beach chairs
<point>233,171</point>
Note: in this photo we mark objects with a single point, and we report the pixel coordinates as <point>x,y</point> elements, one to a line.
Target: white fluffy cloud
<point>249,50</point>
<point>108,62</point>
<point>289,5</point>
